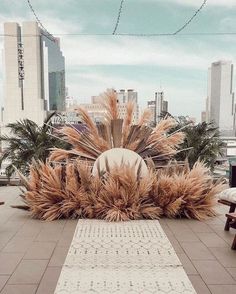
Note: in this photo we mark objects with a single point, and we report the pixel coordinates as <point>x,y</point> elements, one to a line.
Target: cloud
<point>181,55</point>
<point>134,51</point>
<point>227,24</point>
<point>43,3</point>
<point>197,3</point>
<point>52,23</point>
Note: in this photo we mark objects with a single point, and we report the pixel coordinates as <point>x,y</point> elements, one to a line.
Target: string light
<point>130,35</point>
<point>40,23</point>
<point>118,17</point>
<point>118,22</point>
<point>191,19</point>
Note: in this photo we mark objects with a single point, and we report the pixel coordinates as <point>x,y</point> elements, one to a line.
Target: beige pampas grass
<point>158,143</point>
<point>88,121</point>
<point>58,154</point>
<point>93,134</point>
<point>110,103</point>
<point>189,193</point>
<point>70,134</point>
<point>145,117</point>
<point>55,196</point>
<point>70,191</point>
<point>122,195</point>
<point>127,121</point>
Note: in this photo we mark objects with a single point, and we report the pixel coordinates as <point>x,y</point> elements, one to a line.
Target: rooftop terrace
<point>33,251</point>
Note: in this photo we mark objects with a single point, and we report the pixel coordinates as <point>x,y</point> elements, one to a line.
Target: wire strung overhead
<point>130,35</point>
<point>40,23</point>
<point>118,17</point>
<point>175,33</point>
<point>190,20</point>
<point>126,34</point>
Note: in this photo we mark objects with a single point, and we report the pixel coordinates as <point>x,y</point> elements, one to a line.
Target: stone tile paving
<point>32,252</point>
<point>204,250</point>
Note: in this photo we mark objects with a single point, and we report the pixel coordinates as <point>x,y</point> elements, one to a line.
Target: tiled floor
<point>204,250</point>
<point>122,257</point>
<point>32,252</point>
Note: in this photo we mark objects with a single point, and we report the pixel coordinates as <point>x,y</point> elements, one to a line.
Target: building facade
<point>151,105</point>
<point>157,107</point>
<point>126,96</point>
<point>203,116</point>
<point>34,73</point>
<point>220,106</point>
<point>71,103</point>
<point>97,110</point>
<point>70,117</point>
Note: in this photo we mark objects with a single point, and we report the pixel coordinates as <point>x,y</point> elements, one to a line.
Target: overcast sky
<point>177,63</point>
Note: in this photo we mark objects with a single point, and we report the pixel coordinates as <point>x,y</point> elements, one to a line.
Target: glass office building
<point>54,73</point>
<point>34,73</point>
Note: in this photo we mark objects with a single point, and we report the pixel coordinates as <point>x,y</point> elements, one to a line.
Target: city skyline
<point>34,74</point>
<point>94,63</point>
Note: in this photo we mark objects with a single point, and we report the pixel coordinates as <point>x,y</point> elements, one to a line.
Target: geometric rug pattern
<point>133,257</point>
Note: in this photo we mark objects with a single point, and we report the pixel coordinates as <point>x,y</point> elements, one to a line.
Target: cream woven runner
<point>126,257</point>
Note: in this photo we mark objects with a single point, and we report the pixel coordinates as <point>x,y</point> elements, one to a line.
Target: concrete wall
<point>29,97</point>
<point>221,96</point>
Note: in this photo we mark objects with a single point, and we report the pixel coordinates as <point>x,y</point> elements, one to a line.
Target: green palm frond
<point>28,141</point>
<point>204,138</point>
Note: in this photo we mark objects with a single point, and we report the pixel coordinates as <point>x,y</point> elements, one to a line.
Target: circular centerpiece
<point>118,157</point>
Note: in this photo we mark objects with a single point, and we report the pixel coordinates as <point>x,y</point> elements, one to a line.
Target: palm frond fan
<point>66,187</point>
<point>158,144</point>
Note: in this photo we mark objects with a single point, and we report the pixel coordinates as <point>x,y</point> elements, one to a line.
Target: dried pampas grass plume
<point>158,143</point>
<point>70,134</point>
<point>127,121</point>
<point>88,121</point>
<point>111,104</point>
<point>120,194</point>
<point>189,193</point>
<point>64,187</point>
<point>145,117</point>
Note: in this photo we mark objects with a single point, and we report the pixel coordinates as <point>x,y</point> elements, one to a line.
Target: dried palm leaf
<point>116,131</point>
<point>104,131</point>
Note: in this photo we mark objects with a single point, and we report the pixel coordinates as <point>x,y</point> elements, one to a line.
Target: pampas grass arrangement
<point>64,187</point>
<point>71,191</point>
<point>158,143</point>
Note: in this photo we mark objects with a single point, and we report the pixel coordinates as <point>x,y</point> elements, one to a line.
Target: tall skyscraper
<point>34,75</point>
<point>151,104</point>
<point>126,96</point>
<point>158,107</point>
<point>220,100</point>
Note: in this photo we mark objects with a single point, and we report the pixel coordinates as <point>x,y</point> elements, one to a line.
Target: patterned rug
<point>126,257</point>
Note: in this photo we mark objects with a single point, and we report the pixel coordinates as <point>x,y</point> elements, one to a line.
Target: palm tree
<point>28,141</point>
<point>202,142</point>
